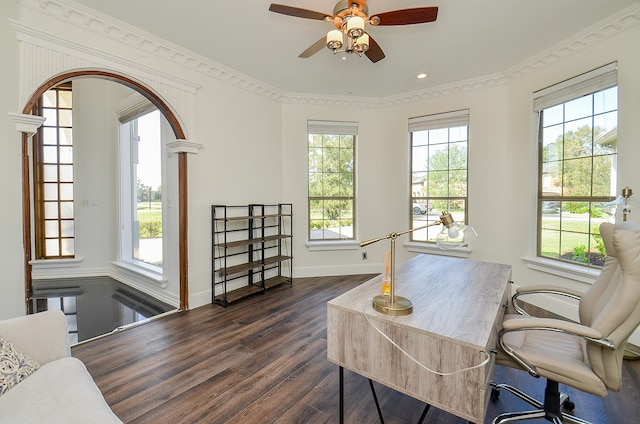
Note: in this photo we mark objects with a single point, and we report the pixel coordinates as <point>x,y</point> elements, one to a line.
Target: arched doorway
<point>179,134</point>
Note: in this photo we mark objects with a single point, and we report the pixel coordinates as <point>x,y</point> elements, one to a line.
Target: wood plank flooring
<point>263,360</point>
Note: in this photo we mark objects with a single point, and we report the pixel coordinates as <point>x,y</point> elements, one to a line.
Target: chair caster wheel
<point>568,405</point>
<point>495,394</point>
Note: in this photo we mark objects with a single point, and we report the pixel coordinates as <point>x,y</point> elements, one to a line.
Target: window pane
<point>67,228</point>
<point>49,98</point>
<point>66,172</point>
<point>64,99</point>
<point>52,247</point>
<point>51,210</point>
<point>50,154</point>
<point>553,115</point>
<point>605,101</point>
<point>67,247</point>
<point>315,184</point>
<point>578,139</point>
<point>66,210</point>
<point>576,178</point>
<point>66,191</point>
<point>66,136</point>
<point>65,117</point>
<point>51,229</point>
<point>66,154</point>
<point>579,108</point>
<point>49,136</point>
<point>50,191</point>
<point>51,117</point>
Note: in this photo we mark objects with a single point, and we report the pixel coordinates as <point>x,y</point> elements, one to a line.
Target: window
<point>141,189</point>
<point>331,148</point>
<point>577,142</point>
<point>439,157</point>
<point>53,175</point>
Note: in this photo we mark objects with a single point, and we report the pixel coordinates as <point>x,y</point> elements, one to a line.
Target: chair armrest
<point>558,325</point>
<point>542,289</point>
<point>42,336</point>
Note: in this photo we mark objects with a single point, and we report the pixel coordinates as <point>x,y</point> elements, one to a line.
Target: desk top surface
<point>452,298</point>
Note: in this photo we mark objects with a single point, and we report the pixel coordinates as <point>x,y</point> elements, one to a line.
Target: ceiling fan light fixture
<point>334,40</point>
<point>355,26</point>
<point>361,45</point>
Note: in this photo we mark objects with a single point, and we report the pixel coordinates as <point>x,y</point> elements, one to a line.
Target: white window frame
<point>343,129</point>
<point>573,88</point>
<point>439,121</point>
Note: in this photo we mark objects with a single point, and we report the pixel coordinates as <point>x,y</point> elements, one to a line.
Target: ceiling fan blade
<point>297,12</point>
<point>314,48</point>
<point>374,53</point>
<point>417,15</point>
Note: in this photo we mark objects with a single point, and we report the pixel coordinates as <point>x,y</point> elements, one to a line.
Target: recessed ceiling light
<point>422,75</point>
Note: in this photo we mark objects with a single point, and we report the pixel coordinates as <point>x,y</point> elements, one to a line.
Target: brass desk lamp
<point>452,235</point>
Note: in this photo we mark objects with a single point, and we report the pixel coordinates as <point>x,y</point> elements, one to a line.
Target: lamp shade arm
<point>395,235</point>
<point>542,289</point>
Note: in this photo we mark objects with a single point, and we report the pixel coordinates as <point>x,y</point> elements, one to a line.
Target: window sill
<point>318,245</point>
<point>142,272</point>
<point>561,269</point>
<point>433,249</point>
<point>55,263</point>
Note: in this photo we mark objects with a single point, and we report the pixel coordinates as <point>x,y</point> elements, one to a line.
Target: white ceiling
<point>470,39</point>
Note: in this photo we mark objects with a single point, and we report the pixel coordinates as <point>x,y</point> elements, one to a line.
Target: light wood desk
<point>458,306</point>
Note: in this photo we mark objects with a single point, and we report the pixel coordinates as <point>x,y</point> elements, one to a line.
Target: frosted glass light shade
<point>362,43</point>
<point>334,39</point>
<point>355,26</point>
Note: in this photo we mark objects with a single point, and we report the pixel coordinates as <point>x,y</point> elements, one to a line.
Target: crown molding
<point>79,15</point>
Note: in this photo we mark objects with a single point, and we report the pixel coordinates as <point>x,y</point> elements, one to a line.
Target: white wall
<point>254,150</point>
<point>11,252</point>
<point>502,166</point>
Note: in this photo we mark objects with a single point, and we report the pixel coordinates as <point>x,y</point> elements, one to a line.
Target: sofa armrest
<point>42,336</point>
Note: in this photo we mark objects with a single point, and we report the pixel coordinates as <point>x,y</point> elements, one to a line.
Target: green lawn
<point>149,215</point>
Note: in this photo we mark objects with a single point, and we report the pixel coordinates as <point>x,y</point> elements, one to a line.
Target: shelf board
<point>245,217</point>
<point>247,242</point>
<point>235,269</point>
<point>252,289</point>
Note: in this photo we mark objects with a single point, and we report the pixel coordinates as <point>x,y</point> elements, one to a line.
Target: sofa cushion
<point>60,392</point>
<point>15,366</point>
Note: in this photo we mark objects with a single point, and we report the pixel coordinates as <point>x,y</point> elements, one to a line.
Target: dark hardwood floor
<point>263,360</point>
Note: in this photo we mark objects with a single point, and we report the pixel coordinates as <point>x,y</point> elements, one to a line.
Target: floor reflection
<point>95,306</point>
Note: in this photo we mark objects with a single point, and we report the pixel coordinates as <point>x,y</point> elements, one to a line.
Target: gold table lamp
<point>452,235</point>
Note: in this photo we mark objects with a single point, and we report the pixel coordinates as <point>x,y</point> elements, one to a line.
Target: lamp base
<point>400,305</point>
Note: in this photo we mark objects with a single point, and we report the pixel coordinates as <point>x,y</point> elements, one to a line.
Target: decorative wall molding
<point>69,11</point>
<point>183,146</point>
<point>43,56</point>
<point>27,124</point>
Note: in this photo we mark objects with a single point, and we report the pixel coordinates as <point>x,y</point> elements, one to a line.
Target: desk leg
<point>424,413</point>
<point>341,395</point>
<point>375,399</point>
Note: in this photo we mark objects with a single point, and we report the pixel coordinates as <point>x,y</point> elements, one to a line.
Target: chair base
<point>549,410</point>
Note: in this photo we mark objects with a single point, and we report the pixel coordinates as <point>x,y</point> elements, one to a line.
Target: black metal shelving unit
<point>251,249</point>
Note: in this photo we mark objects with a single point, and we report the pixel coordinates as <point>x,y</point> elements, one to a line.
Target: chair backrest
<point>612,304</point>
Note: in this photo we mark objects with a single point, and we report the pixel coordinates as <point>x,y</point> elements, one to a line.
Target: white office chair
<point>587,355</point>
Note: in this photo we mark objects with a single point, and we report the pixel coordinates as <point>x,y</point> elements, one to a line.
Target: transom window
<point>577,141</point>
<point>439,157</point>
<point>53,174</point>
<point>331,148</point>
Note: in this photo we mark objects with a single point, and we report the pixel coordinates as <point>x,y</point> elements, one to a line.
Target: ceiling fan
<point>350,17</point>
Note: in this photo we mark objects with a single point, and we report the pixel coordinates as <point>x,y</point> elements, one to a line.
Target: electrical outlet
<point>364,256</point>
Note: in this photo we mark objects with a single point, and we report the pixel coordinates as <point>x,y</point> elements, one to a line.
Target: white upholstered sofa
<point>60,390</point>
